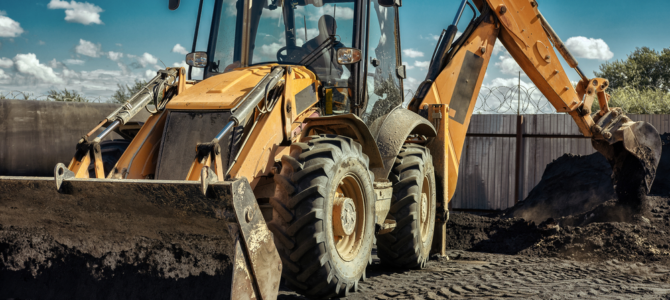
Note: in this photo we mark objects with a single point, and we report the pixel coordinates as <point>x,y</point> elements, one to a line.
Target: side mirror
<point>197,59</point>
<point>174,4</point>
<point>348,56</point>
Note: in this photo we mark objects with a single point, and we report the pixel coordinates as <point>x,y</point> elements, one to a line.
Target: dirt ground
<point>496,257</point>
<point>498,276</point>
<point>557,244</point>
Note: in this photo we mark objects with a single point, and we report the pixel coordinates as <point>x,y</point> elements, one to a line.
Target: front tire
<point>413,208</point>
<point>323,217</point>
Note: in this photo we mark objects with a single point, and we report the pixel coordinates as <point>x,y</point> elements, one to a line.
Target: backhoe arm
<point>633,148</point>
<point>448,95</point>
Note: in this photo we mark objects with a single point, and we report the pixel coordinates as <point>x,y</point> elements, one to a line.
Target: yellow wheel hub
<point>348,217</point>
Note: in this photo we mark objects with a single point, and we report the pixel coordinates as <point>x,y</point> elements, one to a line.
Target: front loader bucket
<point>134,239</point>
<point>634,151</point>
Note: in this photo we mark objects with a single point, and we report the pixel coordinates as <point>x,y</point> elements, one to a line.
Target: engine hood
<point>222,91</point>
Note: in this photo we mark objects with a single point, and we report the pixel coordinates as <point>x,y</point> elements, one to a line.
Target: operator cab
<point>310,33</point>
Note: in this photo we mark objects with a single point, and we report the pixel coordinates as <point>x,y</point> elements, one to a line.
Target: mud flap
<point>114,209</point>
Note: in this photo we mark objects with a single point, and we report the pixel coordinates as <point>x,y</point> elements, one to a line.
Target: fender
<point>352,126</point>
<point>392,130</point>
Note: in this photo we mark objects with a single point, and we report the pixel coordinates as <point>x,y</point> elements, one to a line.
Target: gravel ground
<point>493,276</point>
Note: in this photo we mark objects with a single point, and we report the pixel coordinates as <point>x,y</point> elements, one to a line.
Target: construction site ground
<point>556,244</point>
<point>497,257</point>
<point>492,276</point>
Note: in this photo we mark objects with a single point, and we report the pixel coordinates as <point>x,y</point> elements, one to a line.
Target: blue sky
<point>93,46</point>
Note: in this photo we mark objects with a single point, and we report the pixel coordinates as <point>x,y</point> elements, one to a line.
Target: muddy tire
<point>323,216</point>
<point>413,207</point>
<point>111,152</point>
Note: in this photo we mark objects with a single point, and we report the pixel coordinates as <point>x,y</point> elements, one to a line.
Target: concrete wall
<point>36,135</point>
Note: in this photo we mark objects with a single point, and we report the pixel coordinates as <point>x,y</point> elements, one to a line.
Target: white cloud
<point>197,72</point>
<point>98,85</point>
<point>498,47</point>
<point>589,48</point>
<point>146,59</point>
<point>3,75</point>
<point>74,62</point>
<point>114,55</point>
<point>412,53</point>
<point>149,74</point>
<point>342,13</point>
<point>41,43</point>
<point>510,82</point>
<point>508,65</point>
<point>422,64</point>
<point>272,14</point>
<point>300,33</point>
<point>119,45</point>
<point>29,65</point>
<point>77,12</point>
<point>6,63</point>
<point>178,48</point>
<point>89,49</point>
<point>270,50</point>
<point>8,27</point>
<point>411,83</point>
<point>408,67</point>
<point>54,64</point>
<point>430,37</point>
<point>123,68</point>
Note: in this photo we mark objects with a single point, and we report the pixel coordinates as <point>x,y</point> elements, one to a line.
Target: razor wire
<point>512,100</point>
<point>19,95</point>
<point>506,100</point>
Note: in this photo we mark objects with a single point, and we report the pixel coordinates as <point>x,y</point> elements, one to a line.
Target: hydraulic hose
<point>138,101</point>
<point>251,101</point>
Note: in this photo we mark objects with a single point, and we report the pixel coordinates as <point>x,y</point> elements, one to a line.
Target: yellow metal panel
<point>142,149</point>
<point>451,146</point>
<point>224,91</point>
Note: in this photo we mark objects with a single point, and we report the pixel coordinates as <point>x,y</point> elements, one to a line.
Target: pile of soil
<point>573,184</point>
<point>580,237</point>
<point>573,213</point>
<point>570,184</point>
<point>84,246</point>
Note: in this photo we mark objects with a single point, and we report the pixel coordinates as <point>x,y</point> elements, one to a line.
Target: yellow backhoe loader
<point>297,150</point>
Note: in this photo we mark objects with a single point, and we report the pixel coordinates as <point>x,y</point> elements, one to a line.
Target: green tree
<point>66,96</point>
<point>643,69</point>
<point>126,91</point>
<point>634,101</point>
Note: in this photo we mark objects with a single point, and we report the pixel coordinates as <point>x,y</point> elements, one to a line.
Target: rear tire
<point>413,207</point>
<point>324,240</point>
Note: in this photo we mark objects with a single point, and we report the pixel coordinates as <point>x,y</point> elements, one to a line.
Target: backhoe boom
<point>457,71</point>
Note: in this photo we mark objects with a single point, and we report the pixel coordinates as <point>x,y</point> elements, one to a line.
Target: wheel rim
<point>348,222</point>
<point>425,205</point>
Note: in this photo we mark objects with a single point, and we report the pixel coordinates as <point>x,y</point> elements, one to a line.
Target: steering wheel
<point>282,57</point>
<point>295,55</point>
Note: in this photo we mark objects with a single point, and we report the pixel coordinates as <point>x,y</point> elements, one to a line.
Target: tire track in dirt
<point>493,276</point>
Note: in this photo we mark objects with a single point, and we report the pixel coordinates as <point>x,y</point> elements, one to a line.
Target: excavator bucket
<point>96,217</point>
<point>634,151</point>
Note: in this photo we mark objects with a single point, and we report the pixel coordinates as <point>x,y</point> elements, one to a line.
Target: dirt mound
<point>34,265</point>
<point>84,246</point>
<point>661,184</point>
<point>573,184</point>
<point>581,237</point>
<point>570,185</point>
